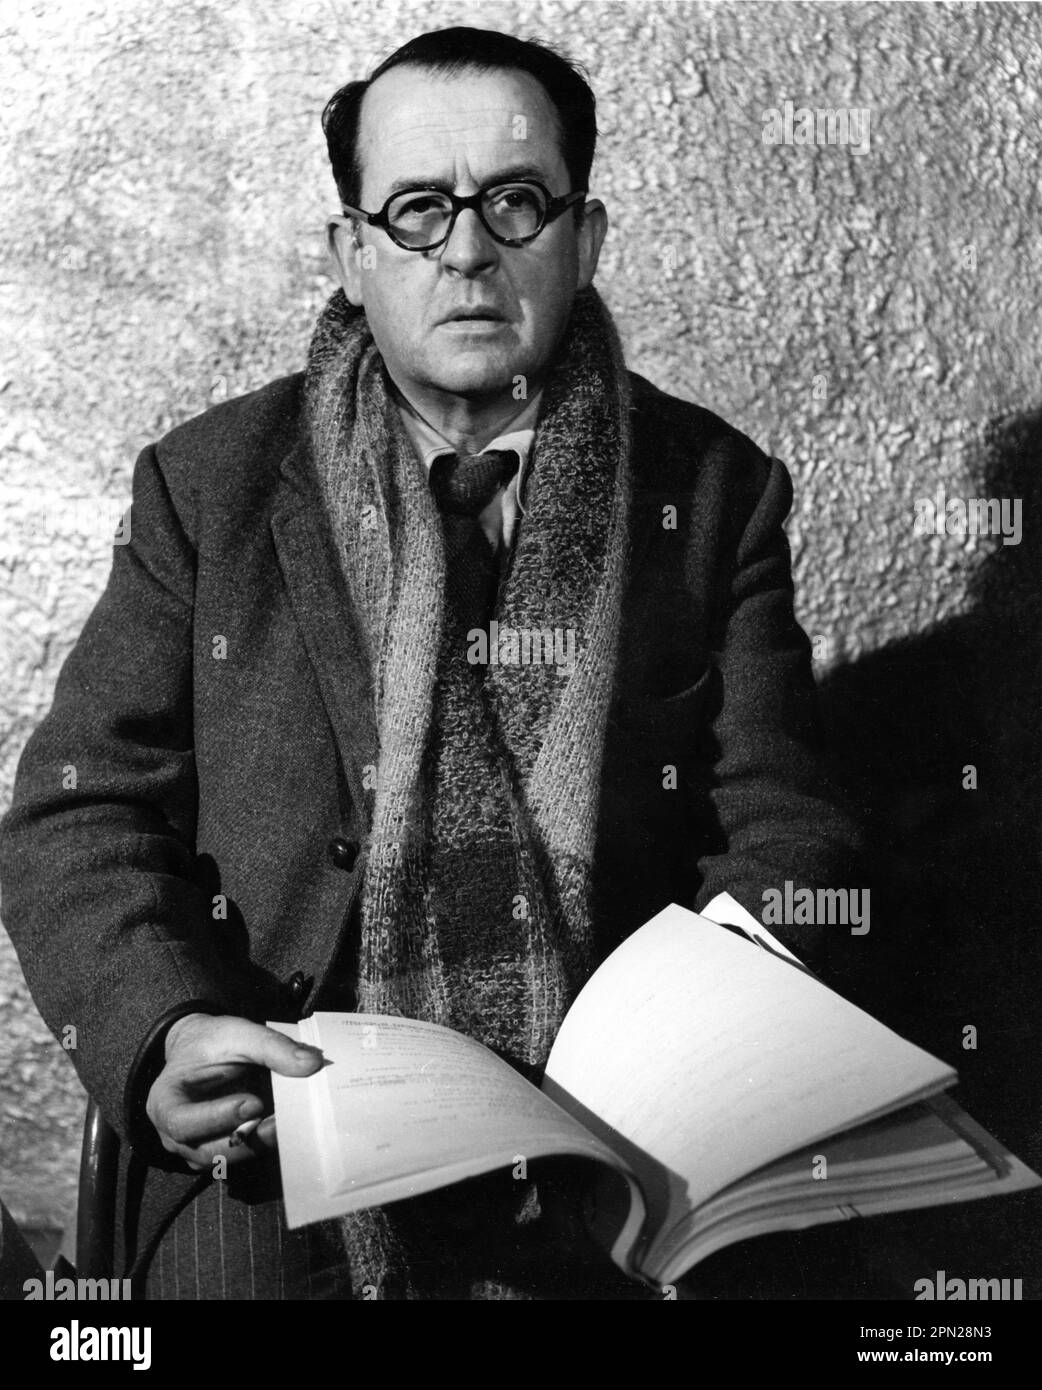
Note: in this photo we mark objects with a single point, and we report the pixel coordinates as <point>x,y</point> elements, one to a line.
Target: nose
<point>469,249</point>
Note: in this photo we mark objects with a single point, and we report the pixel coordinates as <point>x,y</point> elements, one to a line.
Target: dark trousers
<point>219,1247</point>
<point>231,1242</point>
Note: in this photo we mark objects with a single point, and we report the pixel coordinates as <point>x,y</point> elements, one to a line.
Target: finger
<point>266,1135</point>
<point>189,1124</point>
<point>230,1039</point>
<point>214,1080</point>
<point>255,1139</point>
<point>216,1158</point>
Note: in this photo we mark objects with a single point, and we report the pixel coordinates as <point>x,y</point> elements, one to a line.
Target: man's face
<point>463,133</point>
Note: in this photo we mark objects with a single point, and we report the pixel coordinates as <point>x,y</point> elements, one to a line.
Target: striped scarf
<point>475,899</point>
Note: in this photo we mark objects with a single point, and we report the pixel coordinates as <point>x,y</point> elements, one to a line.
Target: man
<point>308,770</point>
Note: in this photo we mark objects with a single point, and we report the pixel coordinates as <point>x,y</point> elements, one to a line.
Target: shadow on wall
<point>955,872</point>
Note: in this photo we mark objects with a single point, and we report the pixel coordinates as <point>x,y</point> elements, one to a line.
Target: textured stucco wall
<point>872,318</point>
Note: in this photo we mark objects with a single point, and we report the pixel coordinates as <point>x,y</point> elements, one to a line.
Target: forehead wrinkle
<point>445,134</point>
<point>416,164</point>
<point>411,140</point>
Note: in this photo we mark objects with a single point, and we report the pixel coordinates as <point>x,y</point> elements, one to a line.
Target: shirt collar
<point>518,435</point>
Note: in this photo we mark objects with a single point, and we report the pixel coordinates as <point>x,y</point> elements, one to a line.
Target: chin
<point>473,375</point>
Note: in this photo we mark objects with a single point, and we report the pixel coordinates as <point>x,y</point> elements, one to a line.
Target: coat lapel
<point>326,617</point>
<point>645,509</point>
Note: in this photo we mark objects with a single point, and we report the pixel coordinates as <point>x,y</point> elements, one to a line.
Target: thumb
<point>288,1057</point>
<point>254,1043</point>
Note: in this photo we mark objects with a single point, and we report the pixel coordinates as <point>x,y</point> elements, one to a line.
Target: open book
<point>720,1089</point>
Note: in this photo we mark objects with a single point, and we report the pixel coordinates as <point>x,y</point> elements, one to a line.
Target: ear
<point>590,239</point>
<point>346,256</point>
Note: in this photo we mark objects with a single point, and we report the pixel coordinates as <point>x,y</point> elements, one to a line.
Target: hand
<point>217,1075</point>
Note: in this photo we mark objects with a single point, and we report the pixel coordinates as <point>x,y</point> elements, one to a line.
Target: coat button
<point>297,987</point>
<point>343,852</point>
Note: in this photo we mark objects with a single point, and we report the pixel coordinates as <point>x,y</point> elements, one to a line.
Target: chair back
<point>96,1204</point>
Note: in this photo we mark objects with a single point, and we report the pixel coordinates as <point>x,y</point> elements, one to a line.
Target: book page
<point>699,1057</point>
<point>926,1155</point>
<point>404,1107</point>
<point>728,911</point>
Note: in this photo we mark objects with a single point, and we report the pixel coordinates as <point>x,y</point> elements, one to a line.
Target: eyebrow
<point>511,174</point>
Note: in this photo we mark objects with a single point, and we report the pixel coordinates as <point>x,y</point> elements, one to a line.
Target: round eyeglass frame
<point>552,211</point>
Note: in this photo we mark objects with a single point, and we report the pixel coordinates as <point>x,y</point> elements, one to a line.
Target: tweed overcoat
<point>216,713</point>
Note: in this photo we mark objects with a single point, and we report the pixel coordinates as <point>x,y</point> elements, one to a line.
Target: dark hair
<point>450,51</point>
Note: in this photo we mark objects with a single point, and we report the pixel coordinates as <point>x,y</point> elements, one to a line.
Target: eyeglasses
<point>419,219</point>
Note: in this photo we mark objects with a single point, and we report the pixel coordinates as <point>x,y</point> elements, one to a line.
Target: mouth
<point>475,316</point>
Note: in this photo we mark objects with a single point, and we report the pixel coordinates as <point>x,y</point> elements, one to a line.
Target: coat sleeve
<point>96,852</point>
<point>778,817</point>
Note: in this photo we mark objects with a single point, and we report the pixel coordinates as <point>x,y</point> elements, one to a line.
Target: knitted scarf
<point>475,900</point>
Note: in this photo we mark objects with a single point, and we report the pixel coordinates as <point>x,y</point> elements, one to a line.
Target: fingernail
<point>248,1109</point>
<point>306,1054</point>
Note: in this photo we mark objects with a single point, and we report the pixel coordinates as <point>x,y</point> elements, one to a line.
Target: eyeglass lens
<point>511,210</point>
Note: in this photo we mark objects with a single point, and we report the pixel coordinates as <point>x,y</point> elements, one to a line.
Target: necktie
<point>463,486</point>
